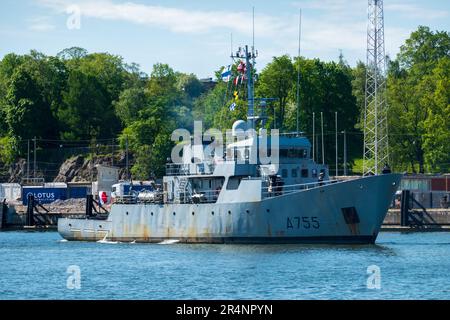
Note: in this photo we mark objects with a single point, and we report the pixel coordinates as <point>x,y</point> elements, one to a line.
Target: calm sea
<point>403,266</point>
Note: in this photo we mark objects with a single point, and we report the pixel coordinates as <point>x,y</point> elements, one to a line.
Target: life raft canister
<point>104,197</point>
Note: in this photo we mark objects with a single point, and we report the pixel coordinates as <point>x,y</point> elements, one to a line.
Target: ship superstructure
<point>235,195</point>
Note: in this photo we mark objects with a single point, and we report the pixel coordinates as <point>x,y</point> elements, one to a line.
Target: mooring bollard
<point>404,209</point>
<point>89,205</point>
<point>30,211</point>
<point>4,214</point>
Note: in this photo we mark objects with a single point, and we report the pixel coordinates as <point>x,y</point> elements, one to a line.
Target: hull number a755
<point>303,223</point>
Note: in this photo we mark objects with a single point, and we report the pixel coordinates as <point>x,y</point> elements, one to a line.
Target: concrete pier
<point>14,217</point>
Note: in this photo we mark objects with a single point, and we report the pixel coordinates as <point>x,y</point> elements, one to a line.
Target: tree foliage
<point>81,96</point>
<point>418,98</point>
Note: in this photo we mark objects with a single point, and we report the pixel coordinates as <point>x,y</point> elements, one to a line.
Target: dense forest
<point>80,98</point>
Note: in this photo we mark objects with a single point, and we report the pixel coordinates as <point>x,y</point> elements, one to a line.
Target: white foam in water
<point>63,240</point>
<point>107,241</point>
<point>169,242</point>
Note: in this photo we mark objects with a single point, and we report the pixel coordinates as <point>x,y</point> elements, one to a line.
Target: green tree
<point>413,84</point>
<point>148,134</point>
<point>359,90</point>
<point>437,98</point>
<point>27,113</point>
<point>130,103</point>
<point>74,53</point>
<point>276,81</point>
<point>86,113</point>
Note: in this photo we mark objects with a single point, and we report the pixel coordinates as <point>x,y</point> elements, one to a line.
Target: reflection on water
<point>413,265</point>
<point>287,248</point>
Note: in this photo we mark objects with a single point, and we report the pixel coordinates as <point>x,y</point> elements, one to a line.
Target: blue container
<point>77,192</point>
<point>44,195</point>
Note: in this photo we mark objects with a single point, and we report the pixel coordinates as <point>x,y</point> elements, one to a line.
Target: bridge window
<point>294,173</point>
<point>233,183</point>
<point>293,153</point>
<point>284,173</point>
<point>305,173</point>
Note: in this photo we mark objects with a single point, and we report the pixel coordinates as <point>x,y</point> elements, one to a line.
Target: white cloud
<point>41,24</point>
<point>173,19</point>
<point>413,11</point>
<point>328,25</point>
<point>330,5</point>
<point>319,34</point>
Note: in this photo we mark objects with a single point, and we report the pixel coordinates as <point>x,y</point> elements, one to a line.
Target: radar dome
<point>239,125</point>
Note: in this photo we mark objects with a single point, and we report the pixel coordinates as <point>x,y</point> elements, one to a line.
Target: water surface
<point>412,265</point>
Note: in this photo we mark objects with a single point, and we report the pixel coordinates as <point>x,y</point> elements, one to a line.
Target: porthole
<point>174,213</point>
<point>229,212</point>
<point>193,213</point>
<point>212,213</point>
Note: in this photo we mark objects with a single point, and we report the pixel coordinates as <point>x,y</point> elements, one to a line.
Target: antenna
<point>323,143</point>
<point>298,71</point>
<point>253,44</point>
<point>314,136</point>
<point>231,44</point>
<point>336,138</point>
<point>376,151</point>
<point>252,72</point>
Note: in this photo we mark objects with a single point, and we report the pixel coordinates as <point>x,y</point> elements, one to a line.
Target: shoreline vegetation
<point>96,105</point>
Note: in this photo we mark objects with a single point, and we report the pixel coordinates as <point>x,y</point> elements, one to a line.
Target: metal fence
<point>425,199</point>
<point>274,191</point>
<point>189,169</point>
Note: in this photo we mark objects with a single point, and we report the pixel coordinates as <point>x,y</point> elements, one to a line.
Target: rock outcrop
<point>82,169</point>
<point>18,171</point>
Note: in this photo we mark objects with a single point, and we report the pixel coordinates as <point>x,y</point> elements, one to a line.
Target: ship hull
<point>349,212</point>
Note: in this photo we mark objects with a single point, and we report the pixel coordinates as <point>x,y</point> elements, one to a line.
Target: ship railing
<point>126,199</point>
<point>133,199</point>
<point>173,169</point>
<point>199,196</point>
<point>206,196</point>
<point>275,191</point>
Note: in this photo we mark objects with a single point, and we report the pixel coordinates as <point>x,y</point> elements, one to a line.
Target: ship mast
<point>250,87</point>
<point>249,57</point>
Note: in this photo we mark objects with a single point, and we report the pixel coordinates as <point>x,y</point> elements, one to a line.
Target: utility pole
<point>336,120</point>
<point>345,153</point>
<point>34,154</point>
<point>323,145</point>
<point>112,153</point>
<point>126,157</point>
<point>28,161</point>
<point>314,137</point>
<point>376,152</point>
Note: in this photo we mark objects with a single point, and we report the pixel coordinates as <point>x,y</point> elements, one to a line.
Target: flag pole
<point>298,70</point>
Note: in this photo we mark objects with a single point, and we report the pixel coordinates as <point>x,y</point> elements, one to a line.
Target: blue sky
<point>193,36</point>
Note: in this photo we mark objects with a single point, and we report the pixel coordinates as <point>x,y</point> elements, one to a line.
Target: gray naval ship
<point>231,199</point>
